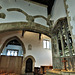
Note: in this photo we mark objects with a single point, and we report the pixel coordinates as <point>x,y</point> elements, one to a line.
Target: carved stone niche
<point>29,47</point>
<point>30,18</point>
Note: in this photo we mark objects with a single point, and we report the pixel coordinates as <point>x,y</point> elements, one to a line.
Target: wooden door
<point>29,65</point>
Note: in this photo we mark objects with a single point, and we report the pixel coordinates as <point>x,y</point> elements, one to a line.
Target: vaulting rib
<point>20,10</point>
<point>40,16</point>
<point>17,9</point>
<point>23,31</point>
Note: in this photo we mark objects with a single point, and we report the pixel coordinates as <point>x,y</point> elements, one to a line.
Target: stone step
<point>29,74</point>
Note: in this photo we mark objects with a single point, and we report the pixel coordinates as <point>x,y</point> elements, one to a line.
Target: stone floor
<point>32,74</point>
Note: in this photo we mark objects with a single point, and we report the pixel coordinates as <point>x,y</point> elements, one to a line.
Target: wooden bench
<point>3,72</point>
<point>44,68</point>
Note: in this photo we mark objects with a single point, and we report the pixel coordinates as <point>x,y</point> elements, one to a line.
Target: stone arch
<point>63,19</point>
<point>59,23</point>
<point>33,27</point>
<point>24,63</point>
<point>11,38</point>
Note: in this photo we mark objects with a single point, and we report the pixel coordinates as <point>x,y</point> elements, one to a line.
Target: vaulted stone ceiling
<point>49,3</point>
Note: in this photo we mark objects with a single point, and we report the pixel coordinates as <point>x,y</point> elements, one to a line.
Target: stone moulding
<point>17,9</point>
<point>30,18</point>
<point>23,12</point>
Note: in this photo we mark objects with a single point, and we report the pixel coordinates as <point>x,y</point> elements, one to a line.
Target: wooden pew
<point>44,68</point>
<point>36,71</point>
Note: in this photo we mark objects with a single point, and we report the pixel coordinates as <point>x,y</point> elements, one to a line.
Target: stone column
<point>53,55</point>
<point>68,43</point>
<point>62,44</point>
<point>58,54</point>
<point>52,46</point>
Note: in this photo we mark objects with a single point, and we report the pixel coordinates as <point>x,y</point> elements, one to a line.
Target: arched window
<point>13,48</point>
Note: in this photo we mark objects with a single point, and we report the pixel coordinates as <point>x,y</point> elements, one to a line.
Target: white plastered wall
<point>30,8</point>
<point>58,10</point>
<point>71,7</point>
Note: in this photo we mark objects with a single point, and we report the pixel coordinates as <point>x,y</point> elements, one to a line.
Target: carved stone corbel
<point>0,7</point>
<point>30,18</point>
<point>2,15</point>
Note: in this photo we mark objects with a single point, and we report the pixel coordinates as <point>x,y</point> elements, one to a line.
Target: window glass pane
<point>1,53</point>
<point>12,53</point>
<point>15,53</point>
<point>48,45</point>
<point>8,53</point>
<point>44,43</point>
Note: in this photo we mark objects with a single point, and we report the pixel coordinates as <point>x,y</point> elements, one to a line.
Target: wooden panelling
<point>11,64</point>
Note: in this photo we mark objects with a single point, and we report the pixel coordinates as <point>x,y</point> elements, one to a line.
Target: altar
<point>53,72</point>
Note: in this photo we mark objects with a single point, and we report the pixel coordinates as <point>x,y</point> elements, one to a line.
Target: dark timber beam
<point>23,31</point>
<point>39,36</point>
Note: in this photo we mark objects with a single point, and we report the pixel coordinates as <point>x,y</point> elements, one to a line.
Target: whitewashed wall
<point>41,55</point>
<point>71,10</point>
<point>71,7</point>
<point>30,8</point>
<point>58,10</point>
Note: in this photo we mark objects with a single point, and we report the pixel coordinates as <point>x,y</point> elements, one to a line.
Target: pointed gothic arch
<point>24,63</point>
<point>11,38</point>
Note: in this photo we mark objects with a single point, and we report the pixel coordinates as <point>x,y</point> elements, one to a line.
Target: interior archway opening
<point>29,65</point>
<point>13,48</point>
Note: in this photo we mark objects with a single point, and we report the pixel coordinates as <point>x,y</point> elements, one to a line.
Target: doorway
<point>29,65</point>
